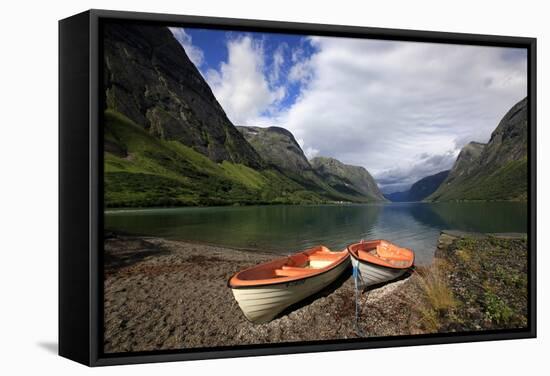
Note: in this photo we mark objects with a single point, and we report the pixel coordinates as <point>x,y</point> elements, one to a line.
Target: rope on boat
<point>358,285</point>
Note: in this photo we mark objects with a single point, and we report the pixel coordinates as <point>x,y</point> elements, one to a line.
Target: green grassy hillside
<point>508,182</point>
<point>141,170</point>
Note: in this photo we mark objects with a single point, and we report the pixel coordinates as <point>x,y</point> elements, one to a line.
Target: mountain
<point>426,186</point>
<point>466,162</point>
<point>397,196</point>
<point>278,147</point>
<point>493,171</point>
<point>420,189</point>
<point>347,179</point>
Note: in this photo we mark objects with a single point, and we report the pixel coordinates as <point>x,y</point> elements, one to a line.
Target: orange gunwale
<point>391,254</point>
<point>288,269</point>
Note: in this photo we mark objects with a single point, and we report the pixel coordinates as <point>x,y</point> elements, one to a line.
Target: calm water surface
<point>286,229</point>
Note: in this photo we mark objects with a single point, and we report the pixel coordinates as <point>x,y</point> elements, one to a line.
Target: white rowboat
<point>265,290</point>
<point>379,261</point>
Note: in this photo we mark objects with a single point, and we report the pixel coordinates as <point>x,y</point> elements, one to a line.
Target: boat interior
<point>383,253</point>
<point>310,262</point>
<point>307,263</point>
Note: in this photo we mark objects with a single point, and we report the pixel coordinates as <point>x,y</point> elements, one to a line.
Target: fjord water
<point>286,229</point>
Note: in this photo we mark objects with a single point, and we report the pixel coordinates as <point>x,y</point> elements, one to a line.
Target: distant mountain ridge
<point>426,186</point>
<point>493,171</point>
<point>402,196</point>
<point>420,189</point>
<point>326,176</point>
<point>347,179</point>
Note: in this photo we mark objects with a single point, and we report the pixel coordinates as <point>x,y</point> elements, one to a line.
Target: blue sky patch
<point>293,48</point>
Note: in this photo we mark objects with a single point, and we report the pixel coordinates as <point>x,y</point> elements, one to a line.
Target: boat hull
<point>374,274</point>
<point>261,304</point>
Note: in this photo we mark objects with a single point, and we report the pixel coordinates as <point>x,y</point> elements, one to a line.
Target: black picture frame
<point>80,186</point>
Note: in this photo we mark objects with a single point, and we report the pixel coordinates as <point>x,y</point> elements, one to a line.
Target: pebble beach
<point>162,294</point>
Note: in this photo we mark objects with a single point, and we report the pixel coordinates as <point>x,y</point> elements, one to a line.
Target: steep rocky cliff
<point>149,79</point>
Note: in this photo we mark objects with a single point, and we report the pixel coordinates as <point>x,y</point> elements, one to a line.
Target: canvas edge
<point>74,218</point>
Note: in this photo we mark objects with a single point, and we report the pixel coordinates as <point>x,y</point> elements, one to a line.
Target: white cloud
<point>380,104</point>
<point>278,61</point>
<point>309,151</point>
<point>241,85</point>
<point>298,53</point>
<point>194,53</point>
<point>402,176</point>
<point>301,72</point>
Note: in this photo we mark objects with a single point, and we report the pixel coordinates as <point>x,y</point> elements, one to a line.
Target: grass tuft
<point>437,296</point>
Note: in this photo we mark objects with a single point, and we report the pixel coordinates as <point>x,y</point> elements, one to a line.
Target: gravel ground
<point>162,294</point>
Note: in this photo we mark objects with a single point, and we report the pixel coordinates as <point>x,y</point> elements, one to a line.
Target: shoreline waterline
<point>288,228</point>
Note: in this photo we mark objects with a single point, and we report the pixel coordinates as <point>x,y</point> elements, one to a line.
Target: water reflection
<point>286,229</point>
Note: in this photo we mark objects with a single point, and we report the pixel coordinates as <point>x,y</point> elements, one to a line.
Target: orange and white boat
<point>379,261</point>
<point>265,290</point>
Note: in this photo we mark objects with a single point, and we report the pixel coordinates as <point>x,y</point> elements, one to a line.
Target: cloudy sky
<point>402,110</point>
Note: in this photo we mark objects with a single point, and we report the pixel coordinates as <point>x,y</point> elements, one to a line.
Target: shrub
<point>497,310</point>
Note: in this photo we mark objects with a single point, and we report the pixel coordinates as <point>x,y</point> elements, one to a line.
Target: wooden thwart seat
<point>392,253</point>
<point>295,268</point>
<point>292,271</point>
<point>324,257</point>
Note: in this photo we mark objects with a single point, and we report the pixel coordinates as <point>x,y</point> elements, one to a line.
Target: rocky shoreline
<point>162,294</point>
<point>488,277</point>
